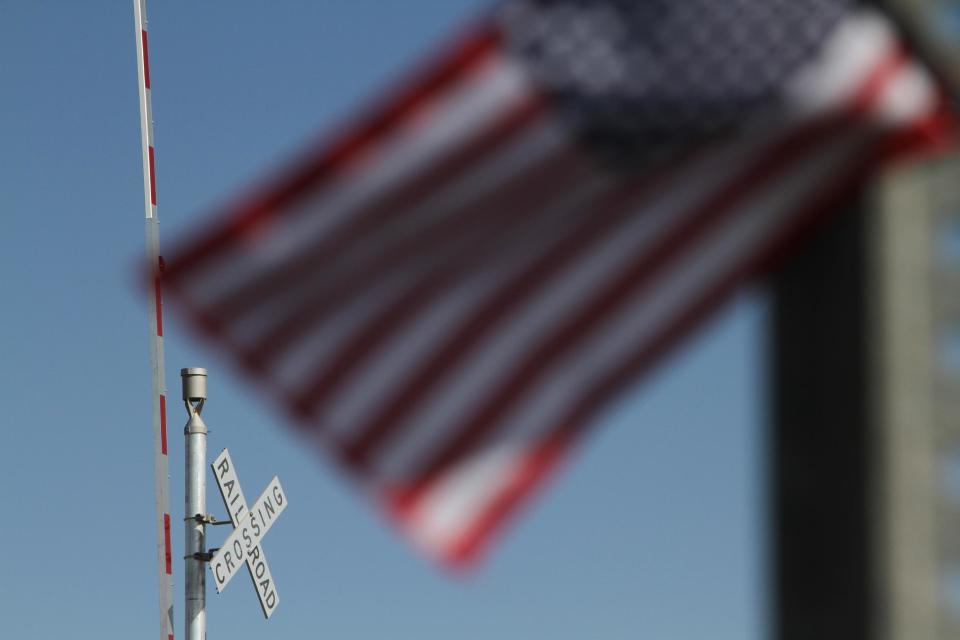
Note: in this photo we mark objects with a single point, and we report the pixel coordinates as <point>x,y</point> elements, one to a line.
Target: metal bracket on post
<point>207,519</point>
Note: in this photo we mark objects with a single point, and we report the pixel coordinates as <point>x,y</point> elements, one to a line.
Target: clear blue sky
<point>654,531</point>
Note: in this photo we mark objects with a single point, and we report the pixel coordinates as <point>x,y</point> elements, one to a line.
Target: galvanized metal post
<point>195,511</point>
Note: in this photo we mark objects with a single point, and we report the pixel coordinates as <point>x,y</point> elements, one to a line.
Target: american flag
<point>444,295</point>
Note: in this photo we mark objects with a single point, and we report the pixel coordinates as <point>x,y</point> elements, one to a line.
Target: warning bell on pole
<point>194,381</point>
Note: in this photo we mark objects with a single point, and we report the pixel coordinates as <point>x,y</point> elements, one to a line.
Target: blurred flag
<point>445,294</point>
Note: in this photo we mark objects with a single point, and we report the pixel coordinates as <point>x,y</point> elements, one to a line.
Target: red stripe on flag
<point>878,79</point>
<point>163,424</point>
<point>146,59</point>
<point>166,542</point>
<point>318,169</point>
<point>934,136</point>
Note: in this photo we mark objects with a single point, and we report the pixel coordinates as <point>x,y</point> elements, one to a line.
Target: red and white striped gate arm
<point>161,464</point>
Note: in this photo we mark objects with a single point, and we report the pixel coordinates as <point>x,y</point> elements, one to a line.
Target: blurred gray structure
<point>865,445</point>
<point>918,401</point>
<point>917,297</point>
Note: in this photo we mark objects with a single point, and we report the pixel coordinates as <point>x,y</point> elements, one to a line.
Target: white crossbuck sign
<point>242,546</point>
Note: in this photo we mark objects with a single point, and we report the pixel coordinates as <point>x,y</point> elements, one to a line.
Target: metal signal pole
<point>155,266</point>
<point>195,506</point>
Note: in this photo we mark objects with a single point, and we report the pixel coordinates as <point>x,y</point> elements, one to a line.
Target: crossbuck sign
<point>242,546</point>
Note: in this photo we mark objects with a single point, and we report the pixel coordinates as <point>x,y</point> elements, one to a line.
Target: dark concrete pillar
<point>822,446</point>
